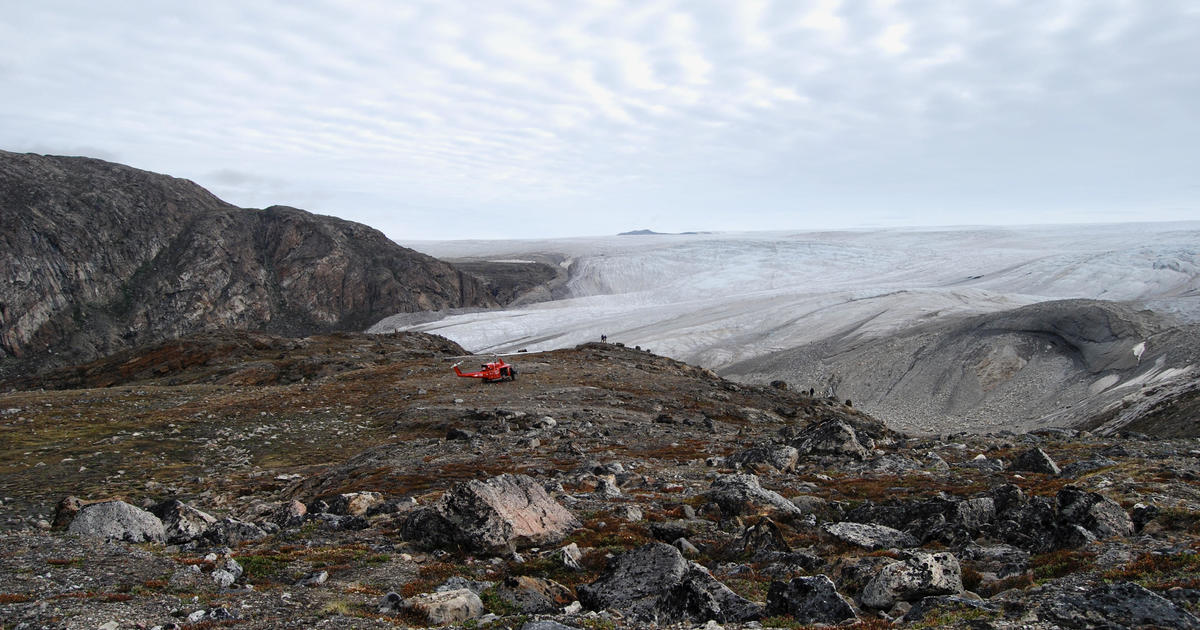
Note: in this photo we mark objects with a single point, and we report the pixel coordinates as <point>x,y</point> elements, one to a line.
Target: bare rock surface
<point>97,257</point>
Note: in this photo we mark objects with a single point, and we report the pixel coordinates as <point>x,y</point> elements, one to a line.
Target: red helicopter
<point>491,372</point>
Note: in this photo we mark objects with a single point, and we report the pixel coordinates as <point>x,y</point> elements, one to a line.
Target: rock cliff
<point>96,257</point>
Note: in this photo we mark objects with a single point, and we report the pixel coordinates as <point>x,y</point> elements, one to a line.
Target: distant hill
<point>653,233</point>
<point>97,257</point>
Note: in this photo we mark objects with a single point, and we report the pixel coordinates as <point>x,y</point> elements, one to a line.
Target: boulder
<point>1096,513</point>
<point>921,575</point>
<point>492,516</point>
<point>737,495</point>
<point>780,457</point>
<point>117,520</point>
<point>655,584</point>
<point>831,437</point>
<point>1035,460</point>
<point>533,596</point>
<point>808,600</point>
<point>436,609</point>
<point>182,523</point>
<point>869,536</point>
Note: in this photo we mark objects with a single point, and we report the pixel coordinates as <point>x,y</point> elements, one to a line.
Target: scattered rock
<point>808,600</point>
<point>117,520</point>
<point>492,516</point>
<point>231,531</point>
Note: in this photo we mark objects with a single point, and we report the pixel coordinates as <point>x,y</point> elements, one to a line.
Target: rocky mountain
<point>1057,363</point>
<point>363,485</point>
<point>96,257</point>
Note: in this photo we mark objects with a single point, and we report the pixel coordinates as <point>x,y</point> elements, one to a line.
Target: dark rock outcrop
<point>96,257</point>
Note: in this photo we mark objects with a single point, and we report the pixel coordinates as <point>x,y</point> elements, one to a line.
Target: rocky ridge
<point>605,488</point>
<point>97,257</point>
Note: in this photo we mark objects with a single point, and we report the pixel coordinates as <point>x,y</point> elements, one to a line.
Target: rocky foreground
<point>353,482</point>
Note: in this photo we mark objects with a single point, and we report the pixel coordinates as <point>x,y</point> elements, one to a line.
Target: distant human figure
<point>603,338</point>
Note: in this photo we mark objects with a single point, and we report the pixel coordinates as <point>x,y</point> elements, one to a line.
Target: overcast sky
<point>536,119</point>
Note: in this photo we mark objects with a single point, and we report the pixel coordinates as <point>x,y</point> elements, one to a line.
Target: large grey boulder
<point>655,584</point>
<point>921,575</point>
<point>808,600</point>
<point>869,536</point>
<point>1097,514</point>
<point>117,520</point>
<point>492,516</point>
<point>741,494</point>
<point>182,523</point>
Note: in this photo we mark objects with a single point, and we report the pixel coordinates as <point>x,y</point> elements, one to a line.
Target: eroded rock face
<point>921,575</point>
<point>492,516</point>
<point>96,257</point>
<point>117,520</point>
<point>655,583</point>
<point>808,600</point>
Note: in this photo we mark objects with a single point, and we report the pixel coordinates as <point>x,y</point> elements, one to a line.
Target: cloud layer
<point>478,119</point>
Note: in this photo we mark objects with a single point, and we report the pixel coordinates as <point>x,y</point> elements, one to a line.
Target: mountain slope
<point>96,257</point>
<point>1055,363</point>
